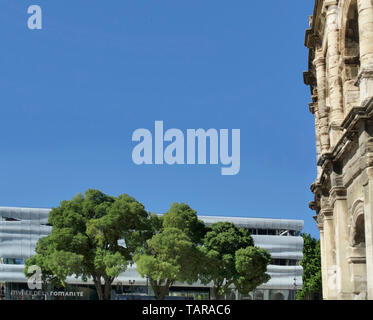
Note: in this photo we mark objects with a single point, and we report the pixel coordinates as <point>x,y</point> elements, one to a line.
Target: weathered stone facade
<point>340,75</point>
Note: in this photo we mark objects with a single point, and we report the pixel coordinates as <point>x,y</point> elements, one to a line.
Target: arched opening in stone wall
<point>351,58</point>
<point>359,232</point>
<point>357,251</point>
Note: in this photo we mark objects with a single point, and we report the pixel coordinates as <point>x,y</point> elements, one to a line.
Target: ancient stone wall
<point>340,76</point>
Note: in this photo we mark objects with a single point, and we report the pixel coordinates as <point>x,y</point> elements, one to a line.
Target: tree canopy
<point>85,239</point>
<point>184,218</point>
<point>231,259</point>
<point>95,236</point>
<point>171,254</point>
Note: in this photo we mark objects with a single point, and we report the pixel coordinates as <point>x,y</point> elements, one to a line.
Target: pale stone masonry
<point>340,75</point>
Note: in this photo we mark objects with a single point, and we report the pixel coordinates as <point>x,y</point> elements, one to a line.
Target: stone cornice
<point>366,73</point>
<point>309,40</point>
<point>327,213</point>
<point>328,3</point>
<point>316,187</point>
<point>363,112</point>
<point>337,193</point>
<point>313,205</point>
<point>344,144</point>
<point>320,221</point>
<point>308,78</point>
<point>312,40</point>
<point>311,106</point>
<point>349,124</point>
<point>356,260</point>
<point>350,119</point>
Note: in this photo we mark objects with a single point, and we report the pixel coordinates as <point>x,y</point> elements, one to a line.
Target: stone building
<point>340,75</point>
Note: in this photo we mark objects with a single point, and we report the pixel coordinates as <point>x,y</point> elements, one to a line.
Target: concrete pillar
<point>331,269</point>
<point>237,294</point>
<point>319,63</point>
<point>266,294</point>
<point>340,214</point>
<point>365,78</point>
<point>334,79</point>
<point>368,217</point>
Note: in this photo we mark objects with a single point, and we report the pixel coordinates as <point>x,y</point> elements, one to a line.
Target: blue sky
<point>72,94</point>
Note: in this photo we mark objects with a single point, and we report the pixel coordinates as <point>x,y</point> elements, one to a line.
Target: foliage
<point>184,218</point>
<point>311,263</point>
<point>231,259</point>
<point>85,239</point>
<point>251,266</point>
<point>95,236</point>
<point>171,254</point>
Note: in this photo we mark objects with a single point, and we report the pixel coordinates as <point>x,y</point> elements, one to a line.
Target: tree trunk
<point>161,294</point>
<point>98,285</point>
<point>107,290</point>
<point>216,293</point>
<point>219,296</point>
<point>99,290</point>
<point>164,291</point>
<point>160,291</point>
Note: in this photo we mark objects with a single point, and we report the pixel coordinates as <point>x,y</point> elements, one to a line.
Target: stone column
<point>334,80</point>
<point>365,78</point>
<point>331,269</point>
<point>323,261</point>
<point>315,110</point>
<point>319,63</point>
<point>368,217</point>
<point>340,214</point>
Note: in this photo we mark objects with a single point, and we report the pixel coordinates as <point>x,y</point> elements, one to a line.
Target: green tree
<point>85,239</point>
<point>184,218</point>
<point>166,261</point>
<point>171,254</point>
<point>311,263</point>
<point>231,259</point>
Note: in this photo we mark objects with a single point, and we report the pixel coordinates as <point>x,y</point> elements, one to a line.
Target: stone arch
<point>357,252</point>
<point>350,51</point>
<point>357,231</point>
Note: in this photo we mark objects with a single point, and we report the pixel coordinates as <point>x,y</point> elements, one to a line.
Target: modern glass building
<point>20,229</point>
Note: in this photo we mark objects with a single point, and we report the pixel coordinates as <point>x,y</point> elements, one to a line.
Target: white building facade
<point>20,229</point>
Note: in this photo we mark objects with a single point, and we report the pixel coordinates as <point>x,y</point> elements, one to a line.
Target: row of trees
<point>96,236</point>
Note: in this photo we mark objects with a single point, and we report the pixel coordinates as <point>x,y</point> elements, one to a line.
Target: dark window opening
<point>9,219</point>
<point>284,262</point>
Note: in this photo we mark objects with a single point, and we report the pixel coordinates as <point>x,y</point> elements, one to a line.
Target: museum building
<point>20,229</point>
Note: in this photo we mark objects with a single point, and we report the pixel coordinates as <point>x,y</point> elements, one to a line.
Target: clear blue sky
<point>72,94</point>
